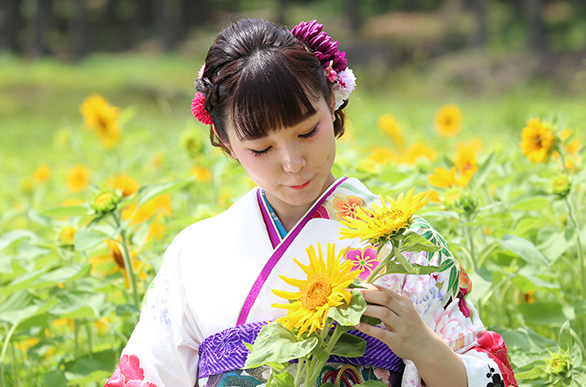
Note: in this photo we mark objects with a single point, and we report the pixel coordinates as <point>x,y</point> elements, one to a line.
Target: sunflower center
<point>390,214</point>
<point>316,292</point>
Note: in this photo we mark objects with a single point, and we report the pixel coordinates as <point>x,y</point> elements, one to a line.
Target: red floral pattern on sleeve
<point>128,374</point>
<point>493,345</point>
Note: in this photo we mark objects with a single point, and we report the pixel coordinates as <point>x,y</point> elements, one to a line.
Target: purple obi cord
<point>224,351</point>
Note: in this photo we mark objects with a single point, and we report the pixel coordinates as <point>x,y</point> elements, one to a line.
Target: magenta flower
<point>321,44</point>
<point>199,111</point>
<point>364,260</point>
<point>128,374</point>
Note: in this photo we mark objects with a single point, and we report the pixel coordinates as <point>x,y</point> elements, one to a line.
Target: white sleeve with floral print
<point>452,318</point>
<point>160,351</point>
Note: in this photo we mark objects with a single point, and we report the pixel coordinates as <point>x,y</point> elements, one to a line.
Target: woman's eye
<point>309,134</point>
<point>260,152</point>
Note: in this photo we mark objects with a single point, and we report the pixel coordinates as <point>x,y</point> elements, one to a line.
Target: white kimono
<point>218,274</point>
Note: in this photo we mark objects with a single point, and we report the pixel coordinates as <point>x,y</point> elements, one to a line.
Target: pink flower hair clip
<point>333,60</point>
<point>197,104</point>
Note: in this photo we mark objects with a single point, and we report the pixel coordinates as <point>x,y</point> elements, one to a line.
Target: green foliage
<point>66,304</point>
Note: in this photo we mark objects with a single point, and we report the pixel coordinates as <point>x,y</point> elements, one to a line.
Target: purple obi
<point>225,351</point>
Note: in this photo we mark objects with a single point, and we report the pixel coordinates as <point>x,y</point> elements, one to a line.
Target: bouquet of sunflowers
<point>329,302</point>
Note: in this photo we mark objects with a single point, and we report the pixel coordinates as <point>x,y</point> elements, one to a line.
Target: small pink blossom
<point>364,260</point>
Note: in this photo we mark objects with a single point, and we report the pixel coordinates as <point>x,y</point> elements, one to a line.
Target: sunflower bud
<point>66,237</point>
<point>559,364</point>
<point>106,201</point>
<point>561,185</point>
<point>192,143</point>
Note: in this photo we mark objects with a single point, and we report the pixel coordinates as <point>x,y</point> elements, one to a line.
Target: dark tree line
<point>75,28</point>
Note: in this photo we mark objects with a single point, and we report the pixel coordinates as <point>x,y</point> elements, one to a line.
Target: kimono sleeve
<point>440,299</point>
<point>162,350</point>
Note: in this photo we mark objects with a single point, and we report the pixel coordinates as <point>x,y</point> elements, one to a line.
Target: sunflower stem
<point>469,235</point>
<point>300,365</point>
<point>127,261</point>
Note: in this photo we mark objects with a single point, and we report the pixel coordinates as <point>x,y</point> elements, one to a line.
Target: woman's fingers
<point>384,297</point>
<point>376,332</point>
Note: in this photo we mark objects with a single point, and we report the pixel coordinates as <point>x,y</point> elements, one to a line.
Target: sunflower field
<point>102,164</point>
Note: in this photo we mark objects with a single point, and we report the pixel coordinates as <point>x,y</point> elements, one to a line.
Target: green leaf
<point>371,383</point>
<point>23,281</point>
<point>55,378</point>
<point>394,267</point>
<point>284,379</point>
<point>275,343</point>
<point>349,345</point>
<point>558,243</point>
<point>10,237</point>
<point>88,239</point>
<point>62,275</point>
<point>349,315</point>
<point>370,320</point>
<point>151,191</point>
<point>320,352</point>
<point>480,286</point>
<point>536,370</point>
<point>533,203</point>
<point>545,313</point>
<point>22,306</point>
<point>77,304</point>
<point>524,249</point>
<point>413,242</point>
<point>328,384</point>
<point>78,210</point>
<point>525,339</point>
<point>565,339</point>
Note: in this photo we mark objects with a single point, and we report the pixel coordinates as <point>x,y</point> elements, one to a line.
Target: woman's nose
<point>293,162</point>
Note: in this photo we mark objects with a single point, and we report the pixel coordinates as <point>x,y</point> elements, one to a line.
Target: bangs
<point>277,89</point>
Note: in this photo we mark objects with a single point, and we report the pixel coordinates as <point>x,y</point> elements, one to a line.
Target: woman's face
<point>292,165</point>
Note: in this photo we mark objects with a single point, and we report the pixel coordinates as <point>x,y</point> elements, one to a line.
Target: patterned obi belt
<point>225,351</point>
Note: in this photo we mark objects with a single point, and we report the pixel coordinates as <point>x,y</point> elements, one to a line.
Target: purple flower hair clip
<point>333,60</point>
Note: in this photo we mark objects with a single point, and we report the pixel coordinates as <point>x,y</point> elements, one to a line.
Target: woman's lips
<point>300,186</point>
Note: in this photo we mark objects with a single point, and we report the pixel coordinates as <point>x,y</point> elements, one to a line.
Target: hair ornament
<point>197,104</point>
<point>333,60</point>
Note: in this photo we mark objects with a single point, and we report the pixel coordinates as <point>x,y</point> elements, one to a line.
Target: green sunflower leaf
<point>349,315</point>
<point>275,343</point>
<point>413,242</point>
<point>349,345</point>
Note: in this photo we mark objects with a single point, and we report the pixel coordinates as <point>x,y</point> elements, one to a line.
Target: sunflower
<point>102,117</point>
<point>391,127</point>
<point>42,173</point>
<point>324,288</point>
<point>78,178</point>
<point>443,178</point>
<point>537,141</point>
<point>417,151</point>
<point>114,255</point>
<point>383,223</point>
<point>124,183</point>
<point>448,120</point>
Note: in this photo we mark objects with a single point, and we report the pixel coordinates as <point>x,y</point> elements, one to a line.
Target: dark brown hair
<point>260,78</point>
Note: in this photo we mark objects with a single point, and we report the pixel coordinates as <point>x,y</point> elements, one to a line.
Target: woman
<point>274,100</point>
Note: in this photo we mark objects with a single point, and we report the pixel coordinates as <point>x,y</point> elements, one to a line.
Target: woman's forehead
<point>319,105</point>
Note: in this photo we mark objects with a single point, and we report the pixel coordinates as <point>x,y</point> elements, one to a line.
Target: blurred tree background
<point>392,32</point>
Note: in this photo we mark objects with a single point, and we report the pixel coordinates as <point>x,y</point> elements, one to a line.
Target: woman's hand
<point>410,338</point>
<point>406,333</point>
